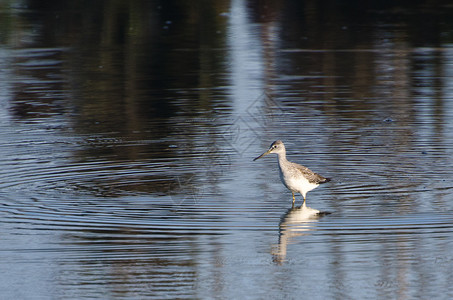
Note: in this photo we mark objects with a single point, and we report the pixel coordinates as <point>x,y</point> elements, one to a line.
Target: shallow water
<point>127,133</point>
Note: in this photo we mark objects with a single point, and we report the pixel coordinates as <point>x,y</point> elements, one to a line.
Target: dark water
<point>128,129</point>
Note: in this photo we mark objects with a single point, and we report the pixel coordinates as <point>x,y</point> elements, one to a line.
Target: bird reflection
<point>297,221</point>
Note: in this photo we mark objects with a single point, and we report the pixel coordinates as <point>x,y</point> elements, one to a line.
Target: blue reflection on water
<point>126,163</point>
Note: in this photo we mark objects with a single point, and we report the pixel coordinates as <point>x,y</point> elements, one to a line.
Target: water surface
<point>127,133</point>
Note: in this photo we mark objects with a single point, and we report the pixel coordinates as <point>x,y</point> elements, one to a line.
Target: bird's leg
<point>294,199</point>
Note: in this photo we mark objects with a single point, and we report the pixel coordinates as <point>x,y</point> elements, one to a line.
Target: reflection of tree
<point>138,79</point>
<point>141,70</point>
<point>132,62</point>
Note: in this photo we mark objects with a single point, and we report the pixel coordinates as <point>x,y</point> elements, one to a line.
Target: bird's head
<point>276,147</point>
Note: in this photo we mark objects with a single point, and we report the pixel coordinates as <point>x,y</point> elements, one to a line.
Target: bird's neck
<point>281,157</point>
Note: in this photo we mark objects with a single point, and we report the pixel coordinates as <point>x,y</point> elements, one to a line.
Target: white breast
<point>297,184</point>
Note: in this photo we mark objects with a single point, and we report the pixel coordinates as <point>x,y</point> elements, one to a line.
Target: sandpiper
<point>296,178</point>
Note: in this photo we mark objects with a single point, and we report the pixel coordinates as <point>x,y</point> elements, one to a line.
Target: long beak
<point>264,154</point>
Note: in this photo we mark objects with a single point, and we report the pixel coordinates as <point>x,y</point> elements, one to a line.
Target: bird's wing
<point>311,176</point>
